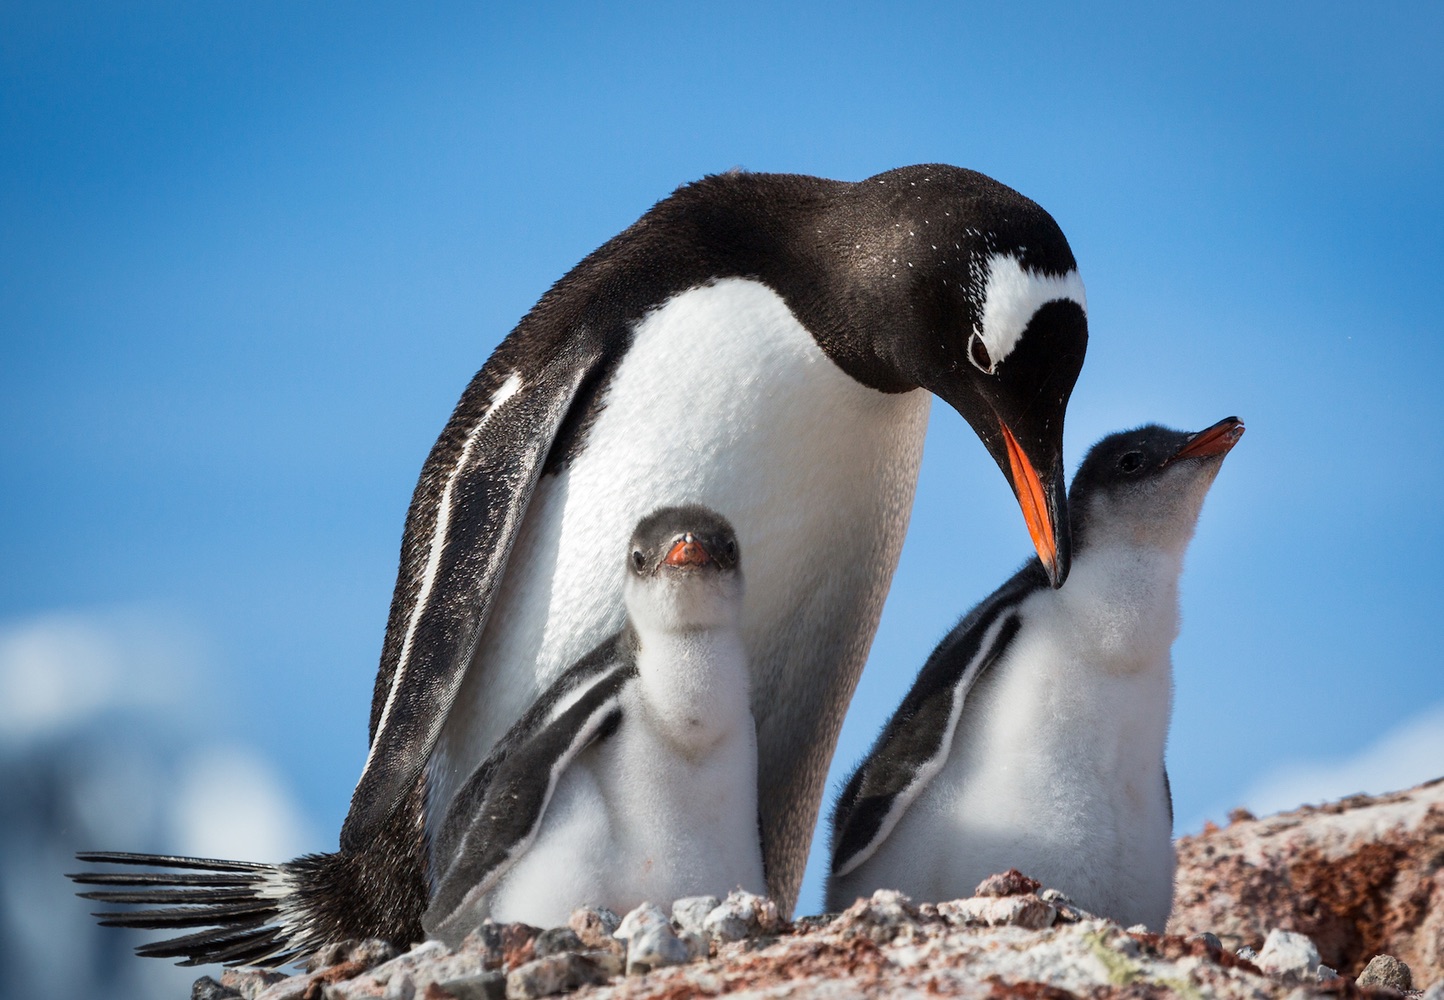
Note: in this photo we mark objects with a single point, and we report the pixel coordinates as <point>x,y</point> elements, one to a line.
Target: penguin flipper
<point>464,516</point>
<point>496,816</point>
<point>915,743</point>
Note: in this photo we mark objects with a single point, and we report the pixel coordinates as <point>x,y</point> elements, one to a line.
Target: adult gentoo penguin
<point>634,776</point>
<point>758,343</point>
<point>1033,737</point>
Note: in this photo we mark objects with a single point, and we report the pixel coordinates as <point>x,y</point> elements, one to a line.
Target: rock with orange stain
<point>1359,877</point>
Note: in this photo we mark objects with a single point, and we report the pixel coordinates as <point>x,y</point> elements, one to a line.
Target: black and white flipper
<point>468,505</point>
<point>497,815</point>
<point>914,745</point>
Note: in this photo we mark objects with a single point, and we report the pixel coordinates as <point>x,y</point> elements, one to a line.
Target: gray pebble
<point>485,941</point>
<point>697,942</point>
<point>691,912</point>
<point>645,916</point>
<point>739,915</point>
<point>725,926</point>
<point>654,947</point>
<point>1324,973</point>
<point>1386,970</point>
<point>1247,954</point>
<point>1068,911</point>
<point>544,977</point>
<point>609,960</point>
<point>206,988</point>
<point>1211,939</point>
<point>555,941</point>
<point>372,952</point>
<point>595,925</point>
<point>250,983</point>
<point>401,987</point>
<point>484,986</point>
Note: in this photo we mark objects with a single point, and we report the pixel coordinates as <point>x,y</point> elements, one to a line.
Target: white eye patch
<point>1010,298</point>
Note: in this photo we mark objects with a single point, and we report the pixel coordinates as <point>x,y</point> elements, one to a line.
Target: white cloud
<point>61,669</point>
<point>229,803</point>
<point>1411,753</point>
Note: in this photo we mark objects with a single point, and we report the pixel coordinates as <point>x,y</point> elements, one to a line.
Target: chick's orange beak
<point>1216,440</point>
<point>687,551</point>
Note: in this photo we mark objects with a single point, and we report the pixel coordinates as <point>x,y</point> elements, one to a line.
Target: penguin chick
<point>634,777</point>
<point>1034,735</point>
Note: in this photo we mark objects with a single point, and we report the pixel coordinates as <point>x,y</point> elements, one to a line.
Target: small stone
<point>518,944</point>
<point>999,911</point>
<point>594,925</point>
<point>1068,911</point>
<point>401,987</point>
<point>1009,883</point>
<point>329,955</point>
<point>1211,939</point>
<point>1323,973</point>
<point>612,960</point>
<point>881,917</point>
<point>487,943</point>
<point>689,913</point>
<point>653,947</point>
<point>372,952</point>
<point>697,942</point>
<point>1288,956</point>
<point>638,920</point>
<point>556,941</point>
<point>206,988</point>
<point>544,977</point>
<point>1247,954</point>
<point>1138,929</point>
<point>483,986</point>
<point>250,983</point>
<point>741,914</point>
<point>1239,816</point>
<point>1386,970</point>
<point>724,925</point>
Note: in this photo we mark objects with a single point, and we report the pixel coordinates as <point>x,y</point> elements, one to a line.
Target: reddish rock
<point>1009,883</point>
<point>1360,877</point>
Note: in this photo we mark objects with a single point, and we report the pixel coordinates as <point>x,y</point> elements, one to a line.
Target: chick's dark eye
<point>1131,462</point>
<point>978,352</point>
<point>638,560</point>
<point>731,547</point>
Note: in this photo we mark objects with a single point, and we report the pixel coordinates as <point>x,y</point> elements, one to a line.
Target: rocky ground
<point>1294,905</point>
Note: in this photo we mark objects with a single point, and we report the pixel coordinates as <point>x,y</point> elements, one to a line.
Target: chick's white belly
<point>1056,769</point>
<point>632,820</point>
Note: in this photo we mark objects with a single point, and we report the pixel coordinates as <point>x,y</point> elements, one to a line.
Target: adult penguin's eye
<point>638,560</point>
<point>1131,462</point>
<point>978,354</point>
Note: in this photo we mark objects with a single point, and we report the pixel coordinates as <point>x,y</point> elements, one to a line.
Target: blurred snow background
<point>111,740</point>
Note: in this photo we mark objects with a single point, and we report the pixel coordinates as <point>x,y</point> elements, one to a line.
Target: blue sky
<point>250,255</point>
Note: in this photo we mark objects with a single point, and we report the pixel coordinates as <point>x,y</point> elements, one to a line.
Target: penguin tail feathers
<point>253,914</point>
